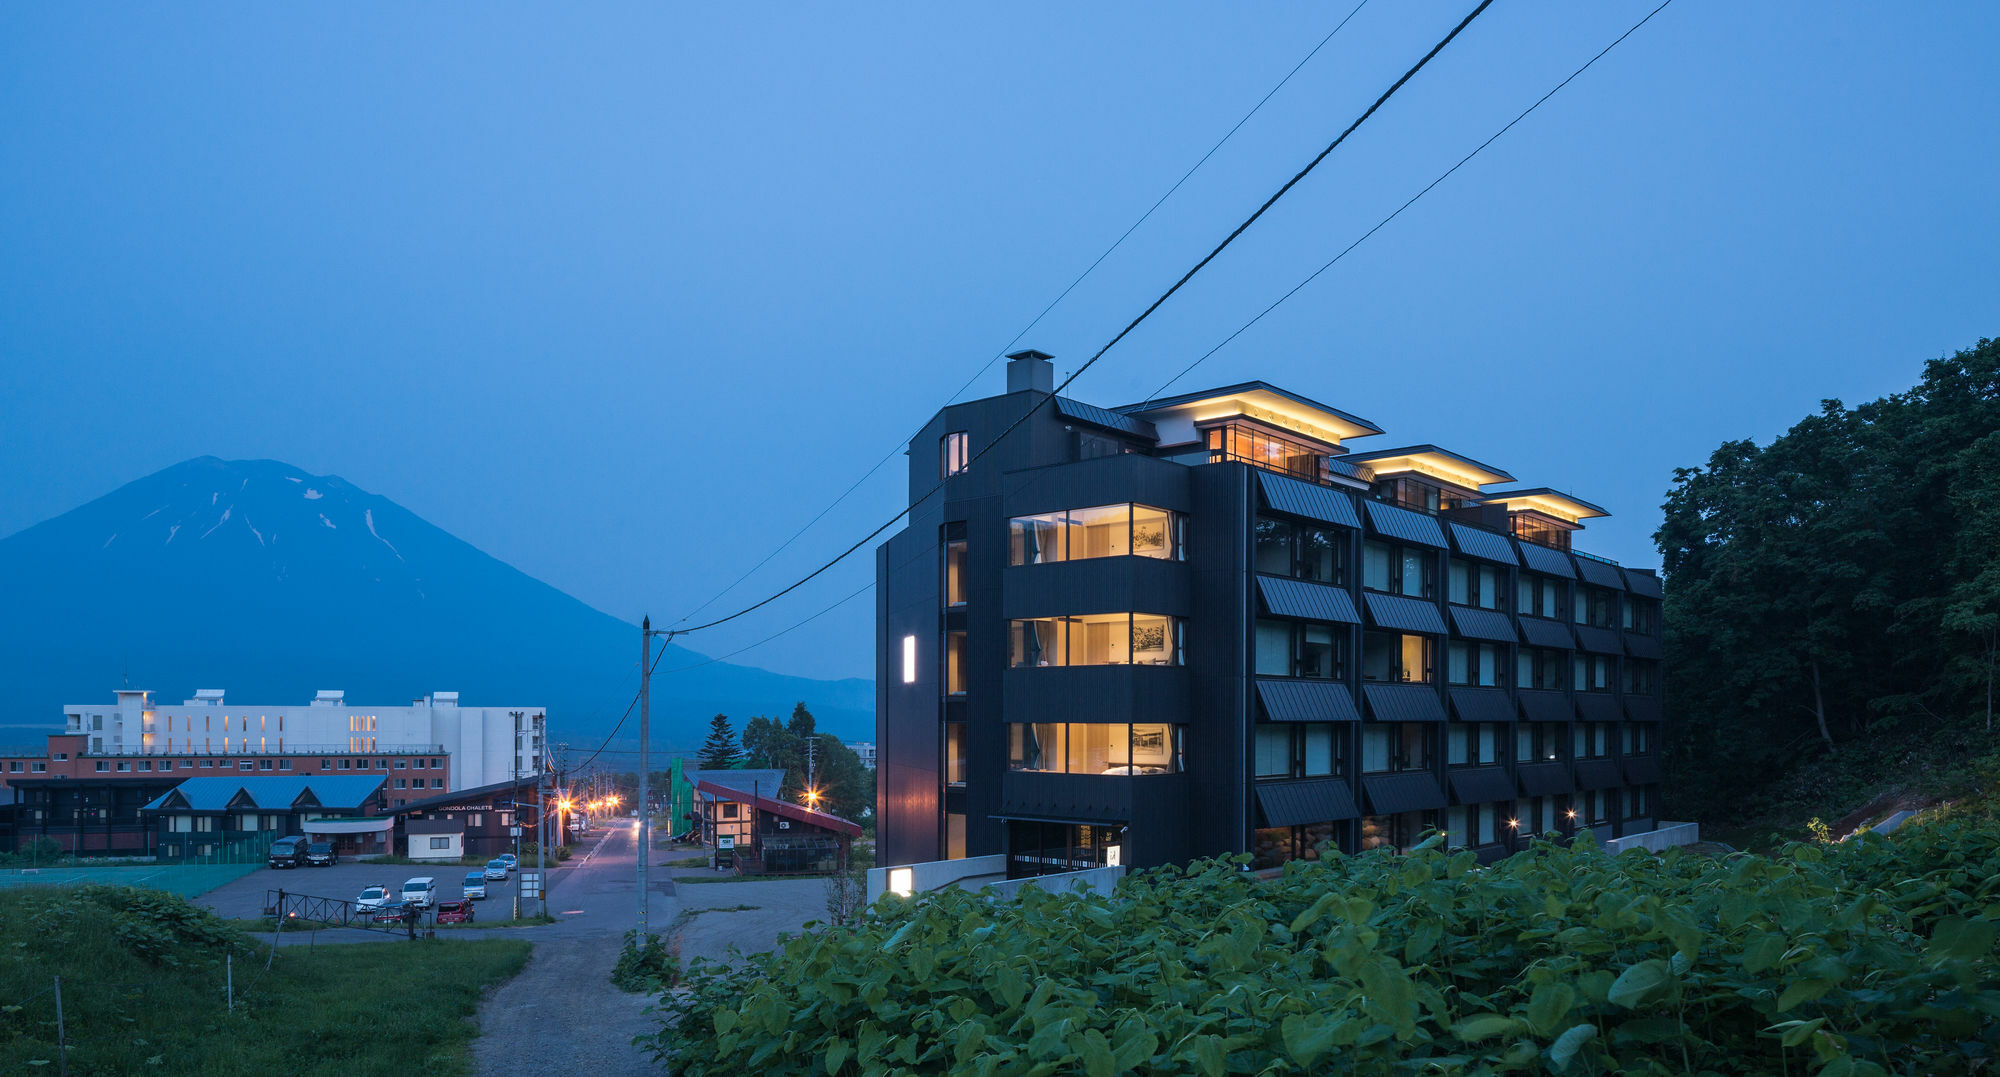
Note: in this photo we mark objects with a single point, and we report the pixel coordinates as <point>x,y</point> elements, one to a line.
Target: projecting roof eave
<point>1547,501</point>
<point>1340,424</point>
<point>795,812</point>
<point>1431,460</point>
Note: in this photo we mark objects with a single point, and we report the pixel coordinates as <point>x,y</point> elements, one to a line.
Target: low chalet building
<point>471,822</point>
<point>769,835</point>
<point>199,815</point>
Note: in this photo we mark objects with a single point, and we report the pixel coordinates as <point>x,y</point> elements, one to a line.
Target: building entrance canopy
<point>349,826</point>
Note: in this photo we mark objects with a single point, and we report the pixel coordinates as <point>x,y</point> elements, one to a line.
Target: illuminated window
<point>1101,639</point>
<point>1092,748</point>
<point>954,453</point>
<point>1395,658</point>
<point>954,663</point>
<point>1243,443</point>
<point>1124,530</point>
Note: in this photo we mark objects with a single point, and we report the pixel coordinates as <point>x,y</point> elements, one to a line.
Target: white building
<point>866,750</point>
<point>486,744</point>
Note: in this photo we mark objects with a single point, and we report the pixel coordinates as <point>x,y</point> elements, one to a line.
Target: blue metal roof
<point>272,792</point>
<point>1403,703</point>
<point>1542,632</point>
<point>1477,542</point>
<point>1289,700</point>
<point>1300,803</point>
<point>1545,559</point>
<point>1404,614</point>
<point>1483,624</point>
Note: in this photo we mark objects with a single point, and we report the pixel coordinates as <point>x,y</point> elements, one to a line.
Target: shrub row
<point>1871,957</point>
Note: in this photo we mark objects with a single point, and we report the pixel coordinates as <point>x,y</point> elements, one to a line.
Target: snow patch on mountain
<point>312,494</point>
<point>369,516</point>
<point>109,541</point>
<point>172,531</point>
<point>218,523</point>
<point>327,522</point>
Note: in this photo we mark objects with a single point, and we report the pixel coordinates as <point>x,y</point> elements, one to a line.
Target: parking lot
<point>245,898</point>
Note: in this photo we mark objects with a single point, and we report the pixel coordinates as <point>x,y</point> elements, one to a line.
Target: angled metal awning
<point>1481,705</point>
<point>1543,559</point>
<point>1643,646</point>
<point>1543,779</point>
<point>1110,420</point>
<point>1296,497</point>
<point>1642,708</point>
<point>1404,614</point>
<point>1598,707</point>
<point>1284,597</point>
<point>1541,632</point>
<point>1480,785</point>
<point>1289,700</point>
<point>1299,803</point>
<point>1642,769</point>
<point>1391,521</point>
<point>1393,794</point>
<point>1483,624</point>
<point>1403,703</point>
<point>1644,583</point>
<point>1598,640</point>
<point>1601,573</point>
<point>1481,543</point>
<point>1541,705</point>
<point>1596,773</point>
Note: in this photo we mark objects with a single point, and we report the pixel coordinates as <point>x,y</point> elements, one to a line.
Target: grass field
<point>144,991</point>
<point>186,880</point>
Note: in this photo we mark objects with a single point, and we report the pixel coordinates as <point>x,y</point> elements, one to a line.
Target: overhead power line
<point>1122,333</point>
<point>1379,225</point>
<point>1037,320</point>
<point>1343,253</point>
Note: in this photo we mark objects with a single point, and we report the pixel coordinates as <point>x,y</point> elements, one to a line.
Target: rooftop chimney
<point>1030,370</point>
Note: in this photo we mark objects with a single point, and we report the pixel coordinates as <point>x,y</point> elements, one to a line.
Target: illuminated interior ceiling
<point>1442,464</point>
<point>1257,400</point>
<point>1551,503</point>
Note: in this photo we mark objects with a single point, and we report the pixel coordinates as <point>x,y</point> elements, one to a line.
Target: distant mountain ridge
<point>258,578</point>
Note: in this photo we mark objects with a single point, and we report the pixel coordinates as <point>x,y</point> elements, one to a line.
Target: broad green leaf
<point>1563,1051</point>
<point>1549,1005</point>
<point>837,1054</point>
<point>1484,1027</point>
<point>1314,911</point>
<point>1802,991</point>
<point>1308,1037</point>
<point>1640,984</point>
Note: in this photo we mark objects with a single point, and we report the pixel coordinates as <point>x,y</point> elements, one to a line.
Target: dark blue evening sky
<point>624,295</point>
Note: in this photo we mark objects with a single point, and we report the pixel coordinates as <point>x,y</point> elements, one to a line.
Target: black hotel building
<point>1205,625</point>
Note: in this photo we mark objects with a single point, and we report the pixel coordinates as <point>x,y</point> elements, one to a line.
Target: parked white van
<point>420,891</point>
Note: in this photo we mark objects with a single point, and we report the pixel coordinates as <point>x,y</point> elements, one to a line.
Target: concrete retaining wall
<point>1665,837</point>
<point>939,874</point>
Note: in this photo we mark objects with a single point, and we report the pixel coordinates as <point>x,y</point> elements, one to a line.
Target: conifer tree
<point>719,752</point>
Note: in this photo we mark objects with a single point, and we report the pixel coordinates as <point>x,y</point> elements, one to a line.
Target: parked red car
<point>454,912</point>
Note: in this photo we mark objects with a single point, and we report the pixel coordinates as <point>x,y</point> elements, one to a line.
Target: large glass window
<point>1475,744</point>
<point>954,663</point>
<point>1482,664</point>
<point>1540,596</point>
<point>1274,846</point>
<point>1102,531</point>
<point>1389,747</point>
<point>1538,742</point>
<point>1640,737</point>
<point>954,453</point>
<point>1539,816</point>
<point>1638,801</point>
<point>1474,584</point>
<point>1401,570</point>
<point>1298,750</point>
<point>1393,657</point>
<point>1301,649</point>
<point>1539,531</point>
<point>1593,606</point>
<point>1472,824</point>
<point>1092,748</point>
<point>954,573</point>
<point>1539,667</point>
<point>1248,444</point>
<point>954,753</point>
<point>1642,676</point>
<point>1593,740</point>
<point>1593,673</point>
<point>1399,832</point>
<point>1641,615</point>
<point>1100,639</point>
<point>1300,550</point>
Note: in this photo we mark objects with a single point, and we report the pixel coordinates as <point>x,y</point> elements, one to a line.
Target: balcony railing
<point>122,752</point>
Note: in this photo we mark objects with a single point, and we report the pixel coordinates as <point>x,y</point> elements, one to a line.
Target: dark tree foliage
<point>1840,579</point>
<point>719,751</point>
<point>846,788</point>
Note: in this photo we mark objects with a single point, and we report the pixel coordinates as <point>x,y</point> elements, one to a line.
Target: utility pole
<point>645,735</point>
<point>542,824</point>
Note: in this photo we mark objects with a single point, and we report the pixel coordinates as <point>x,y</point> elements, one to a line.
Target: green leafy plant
<point>646,965</point>
<point>1867,957</point>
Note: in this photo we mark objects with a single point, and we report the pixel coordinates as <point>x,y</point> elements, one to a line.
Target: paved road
<point>562,1006</point>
